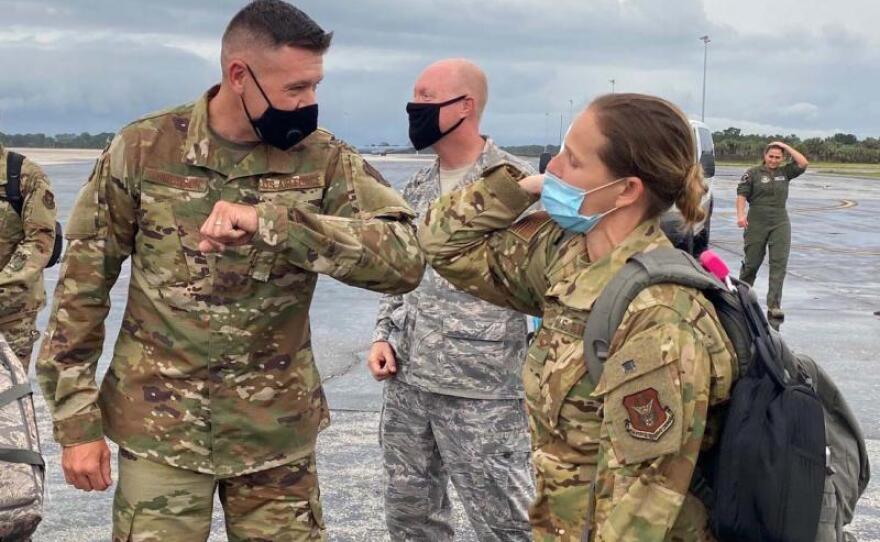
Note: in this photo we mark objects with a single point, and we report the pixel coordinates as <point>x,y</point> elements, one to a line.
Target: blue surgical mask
<point>563,203</point>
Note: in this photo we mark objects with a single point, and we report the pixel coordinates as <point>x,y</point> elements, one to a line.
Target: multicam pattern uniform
<point>26,244</point>
<point>614,462</point>
<point>213,369</point>
<point>454,409</point>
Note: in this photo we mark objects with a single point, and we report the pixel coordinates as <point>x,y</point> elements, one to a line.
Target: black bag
<point>765,478</point>
<point>16,200</point>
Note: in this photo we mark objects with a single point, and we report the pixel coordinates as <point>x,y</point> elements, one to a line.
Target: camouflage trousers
<point>482,445</point>
<point>21,334</point>
<point>158,503</point>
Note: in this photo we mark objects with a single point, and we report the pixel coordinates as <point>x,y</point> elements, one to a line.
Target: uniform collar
<point>490,151</point>
<point>202,149</point>
<point>581,290</point>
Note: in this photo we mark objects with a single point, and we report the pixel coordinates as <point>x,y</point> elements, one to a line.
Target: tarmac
<point>831,298</point>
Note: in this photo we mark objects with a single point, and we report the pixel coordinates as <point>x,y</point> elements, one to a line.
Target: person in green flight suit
<point>765,189</point>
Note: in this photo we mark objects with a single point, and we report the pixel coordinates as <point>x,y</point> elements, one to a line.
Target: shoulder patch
<point>647,418</point>
<point>528,226</point>
<point>747,176</point>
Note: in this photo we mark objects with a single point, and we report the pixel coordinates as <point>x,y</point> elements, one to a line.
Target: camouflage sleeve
<point>470,238</point>
<point>744,187</point>
<point>655,392</point>
<point>792,170</point>
<point>363,236</point>
<point>100,234</point>
<point>393,302</point>
<point>26,264</point>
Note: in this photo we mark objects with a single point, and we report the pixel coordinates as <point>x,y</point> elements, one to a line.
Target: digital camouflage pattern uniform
<point>454,408</point>
<point>213,369</point>
<point>612,462</point>
<point>766,191</point>
<point>26,244</point>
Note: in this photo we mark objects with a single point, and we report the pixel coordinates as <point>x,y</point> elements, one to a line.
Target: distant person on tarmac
<point>765,189</point>
<point>453,405</point>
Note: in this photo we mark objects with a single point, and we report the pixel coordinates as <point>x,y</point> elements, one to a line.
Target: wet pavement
<point>830,297</point>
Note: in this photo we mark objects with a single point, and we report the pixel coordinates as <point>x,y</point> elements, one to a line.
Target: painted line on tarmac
<point>820,248</point>
<point>807,278</point>
<point>841,205</point>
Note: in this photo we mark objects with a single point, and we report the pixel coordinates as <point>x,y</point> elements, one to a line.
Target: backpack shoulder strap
<point>659,266</point>
<point>14,162</point>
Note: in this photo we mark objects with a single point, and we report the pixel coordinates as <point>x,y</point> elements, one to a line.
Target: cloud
<point>97,64</point>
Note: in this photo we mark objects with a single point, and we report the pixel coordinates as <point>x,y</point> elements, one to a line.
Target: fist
<point>381,362</point>
<point>87,466</point>
<point>533,184</point>
<point>229,224</point>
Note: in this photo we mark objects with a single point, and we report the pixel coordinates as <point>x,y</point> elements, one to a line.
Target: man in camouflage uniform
<point>26,243</point>
<point>765,189</point>
<point>453,403</point>
<point>602,472</point>
<point>213,381</point>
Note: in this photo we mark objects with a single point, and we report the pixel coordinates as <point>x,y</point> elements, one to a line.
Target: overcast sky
<point>810,67</point>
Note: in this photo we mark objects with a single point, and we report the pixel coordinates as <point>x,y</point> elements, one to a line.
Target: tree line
<point>732,145</point>
<point>59,141</point>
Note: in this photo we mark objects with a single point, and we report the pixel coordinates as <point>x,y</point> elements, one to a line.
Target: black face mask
<point>280,128</point>
<point>424,122</point>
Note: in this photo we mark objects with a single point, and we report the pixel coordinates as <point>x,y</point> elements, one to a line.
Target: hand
<point>381,362</point>
<point>742,222</point>
<point>781,144</point>
<point>533,184</point>
<point>229,224</point>
<point>87,466</point>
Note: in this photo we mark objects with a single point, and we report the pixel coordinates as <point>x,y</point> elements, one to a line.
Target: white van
<point>695,240</point>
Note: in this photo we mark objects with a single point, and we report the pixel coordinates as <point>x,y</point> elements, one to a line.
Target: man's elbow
<point>409,274</point>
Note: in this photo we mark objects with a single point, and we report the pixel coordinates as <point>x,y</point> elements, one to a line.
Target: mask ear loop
<point>609,211</point>
<point>259,86</point>
<point>457,124</point>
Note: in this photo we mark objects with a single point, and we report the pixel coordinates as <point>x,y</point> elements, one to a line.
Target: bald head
<point>453,77</point>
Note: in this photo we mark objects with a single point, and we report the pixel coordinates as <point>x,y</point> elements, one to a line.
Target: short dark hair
<point>771,146</point>
<point>275,23</point>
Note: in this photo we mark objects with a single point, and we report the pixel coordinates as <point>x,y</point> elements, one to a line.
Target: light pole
<point>546,130</point>
<point>612,81</point>
<point>705,40</point>
<point>570,111</point>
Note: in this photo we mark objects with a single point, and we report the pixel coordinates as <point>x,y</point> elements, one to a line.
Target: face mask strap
<point>452,101</point>
<point>449,131</point>
<point>606,185</point>
<point>259,87</point>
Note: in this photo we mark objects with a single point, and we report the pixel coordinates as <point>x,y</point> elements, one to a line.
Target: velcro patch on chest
<point>290,182</point>
<point>528,226</point>
<point>182,182</point>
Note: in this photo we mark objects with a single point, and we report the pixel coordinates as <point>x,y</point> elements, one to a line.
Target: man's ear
<point>236,74</point>
<point>469,105</point>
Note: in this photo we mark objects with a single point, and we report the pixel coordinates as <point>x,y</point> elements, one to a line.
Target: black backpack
<point>16,200</point>
<point>790,452</point>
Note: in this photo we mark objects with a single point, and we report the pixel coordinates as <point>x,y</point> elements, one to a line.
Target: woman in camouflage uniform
<point>614,461</point>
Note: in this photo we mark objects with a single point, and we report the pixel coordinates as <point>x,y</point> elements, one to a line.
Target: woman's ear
<point>633,190</point>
